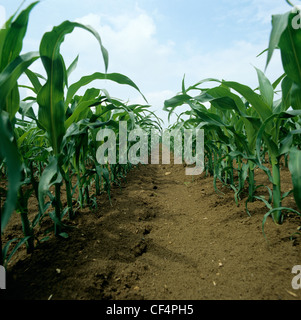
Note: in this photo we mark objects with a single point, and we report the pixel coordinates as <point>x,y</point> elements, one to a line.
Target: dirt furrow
<point>165,236</point>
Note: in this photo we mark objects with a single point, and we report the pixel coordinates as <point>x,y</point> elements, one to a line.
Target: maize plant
<point>12,66</point>
<point>55,146</point>
<point>247,124</point>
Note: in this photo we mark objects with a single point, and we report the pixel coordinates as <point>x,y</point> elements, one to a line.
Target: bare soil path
<point>166,236</point>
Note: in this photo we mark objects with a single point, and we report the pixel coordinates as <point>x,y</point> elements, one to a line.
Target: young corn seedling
<point>12,66</point>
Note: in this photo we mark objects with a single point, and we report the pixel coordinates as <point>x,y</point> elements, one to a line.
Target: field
<point>166,236</point>
<point>91,211</point>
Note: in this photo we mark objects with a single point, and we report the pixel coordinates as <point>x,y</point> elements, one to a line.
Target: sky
<point>156,42</point>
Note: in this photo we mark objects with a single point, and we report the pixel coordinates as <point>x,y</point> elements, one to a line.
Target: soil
<point>166,236</point>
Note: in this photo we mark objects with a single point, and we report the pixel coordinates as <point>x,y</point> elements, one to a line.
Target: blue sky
<point>156,42</point>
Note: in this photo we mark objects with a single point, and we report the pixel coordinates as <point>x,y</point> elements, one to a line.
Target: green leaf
<point>290,46</point>
<point>24,136</point>
<point>80,108</point>
<point>225,99</point>
<point>34,79</point>
<point>263,110</point>
<point>275,210</point>
<point>286,143</point>
<point>26,110</point>
<point>183,85</point>
<point>279,24</point>
<point>51,113</point>
<point>251,126</point>
<point>286,87</point>
<point>50,176</point>
<point>271,145</point>
<point>276,83</point>
<point>51,96</point>
<point>9,153</point>
<point>171,104</point>
<point>296,96</point>
<point>72,67</point>
<point>115,77</point>
<point>195,86</point>
<point>64,235</point>
<point>12,102</point>
<point>266,88</point>
<point>10,75</point>
<point>176,101</point>
<point>209,117</point>
<point>13,41</point>
<point>17,246</point>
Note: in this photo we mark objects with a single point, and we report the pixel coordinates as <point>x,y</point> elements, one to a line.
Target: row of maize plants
<point>248,129</point>
<point>55,147</point>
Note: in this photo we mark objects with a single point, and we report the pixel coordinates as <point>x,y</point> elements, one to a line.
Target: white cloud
<point>134,50</point>
<point>123,35</point>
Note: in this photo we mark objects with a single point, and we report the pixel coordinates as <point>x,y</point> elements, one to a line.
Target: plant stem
<point>239,163</point>
<point>230,164</point>
<point>87,196</point>
<point>210,166</point>
<point>251,181</point>
<point>80,191</point>
<point>97,184</point>
<point>69,199</point>
<point>57,226</point>
<point>277,215</point>
<point>27,230</point>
